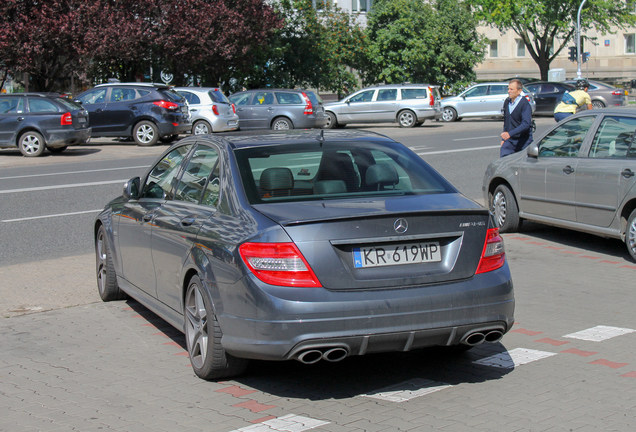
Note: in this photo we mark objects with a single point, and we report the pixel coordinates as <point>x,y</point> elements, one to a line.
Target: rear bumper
<point>431,114</point>
<point>225,124</point>
<point>279,323</point>
<point>184,126</point>
<point>311,121</point>
<point>67,137</point>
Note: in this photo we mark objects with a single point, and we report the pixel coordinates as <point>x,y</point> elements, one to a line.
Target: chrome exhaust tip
<point>474,339</point>
<point>310,357</point>
<point>493,336</point>
<point>335,354</point>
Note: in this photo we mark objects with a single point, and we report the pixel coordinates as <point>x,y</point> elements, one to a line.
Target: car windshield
<point>217,96</point>
<point>172,95</point>
<point>313,97</point>
<point>304,172</point>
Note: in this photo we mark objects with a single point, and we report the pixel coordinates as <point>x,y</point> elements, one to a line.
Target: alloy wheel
<point>499,208</point>
<point>196,326</point>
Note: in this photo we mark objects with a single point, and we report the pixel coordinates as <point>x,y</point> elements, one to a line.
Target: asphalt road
<point>569,363</point>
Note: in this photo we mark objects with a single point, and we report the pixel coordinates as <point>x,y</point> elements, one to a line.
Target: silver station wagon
<point>578,175</point>
<point>407,104</point>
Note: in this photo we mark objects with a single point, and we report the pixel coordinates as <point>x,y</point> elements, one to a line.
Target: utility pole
<point>578,41</point>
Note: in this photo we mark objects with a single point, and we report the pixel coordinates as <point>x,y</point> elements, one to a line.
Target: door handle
<point>132,107</point>
<point>99,110</point>
<point>568,169</point>
<point>240,109</point>
<point>147,217</point>
<point>270,109</point>
<point>627,173</point>
<point>20,118</point>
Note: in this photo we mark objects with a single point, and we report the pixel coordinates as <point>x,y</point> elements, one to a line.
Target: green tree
<point>548,26</point>
<point>416,41</point>
<point>312,49</point>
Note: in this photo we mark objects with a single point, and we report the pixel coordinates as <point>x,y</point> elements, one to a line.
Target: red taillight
<point>617,93</point>
<point>279,264</point>
<point>215,109</point>
<point>309,109</point>
<point>528,98</point>
<point>67,119</point>
<point>234,108</point>
<point>493,255</point>
<point>431,97</point>
<point>166,104</point>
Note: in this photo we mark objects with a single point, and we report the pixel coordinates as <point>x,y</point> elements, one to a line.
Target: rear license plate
<point>81,119</point>
<point>408,253</point>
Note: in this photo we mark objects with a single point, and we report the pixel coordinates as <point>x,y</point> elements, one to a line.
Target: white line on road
<point>73,172</point>
<point>457,150</point>
<point>51,216</point>
<point>64,186</point>
<point>476,138</point>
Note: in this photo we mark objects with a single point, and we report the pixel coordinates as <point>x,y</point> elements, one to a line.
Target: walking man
<point>517,131</point>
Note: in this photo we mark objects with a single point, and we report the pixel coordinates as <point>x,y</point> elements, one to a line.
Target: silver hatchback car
<point>407,104</point>
<point>481,100</point>
<point>581,175</point>
<point>210,109</point>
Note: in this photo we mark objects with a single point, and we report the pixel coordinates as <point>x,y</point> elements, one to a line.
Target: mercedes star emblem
<point>400,226</point>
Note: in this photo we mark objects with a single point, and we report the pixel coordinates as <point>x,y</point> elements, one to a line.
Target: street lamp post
<point>578,41</point>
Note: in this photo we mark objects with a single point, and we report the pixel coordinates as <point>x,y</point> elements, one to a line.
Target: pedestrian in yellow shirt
<point>571,101</point>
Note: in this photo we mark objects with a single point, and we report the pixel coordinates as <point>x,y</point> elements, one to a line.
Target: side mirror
<point>533,150</point>
<point>348,101</point>
<point>464,97</point>
<point>77,101</point>
<point>131,189</point>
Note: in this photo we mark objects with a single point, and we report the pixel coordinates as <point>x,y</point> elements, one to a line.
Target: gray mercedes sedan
<point>580,175</point>
<point>307,245</point>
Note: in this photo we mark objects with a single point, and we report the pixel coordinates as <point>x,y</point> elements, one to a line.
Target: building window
<point>630,43</point>
<point>521,48</point>
<point>494,49</point>
<point>361,5</point>
<point>322,4</point>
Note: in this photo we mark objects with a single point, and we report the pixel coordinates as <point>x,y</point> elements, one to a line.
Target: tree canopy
<point>427,42</point>
<point>547,26</point>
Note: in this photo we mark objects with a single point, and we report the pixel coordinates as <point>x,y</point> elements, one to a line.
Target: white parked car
<point>210,109</point>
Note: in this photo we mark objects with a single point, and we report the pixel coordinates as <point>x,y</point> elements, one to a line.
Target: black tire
<point>504,207</point>
<point>630,235</point>
<point>418,124</point>
<point>332,122</point>
<point>203,337</point>
<point>106,276</point>
<point>407,119</point>
<point>169,138</point>
<point>449,114</point>
<point>146,133</point>
<point>57,150</point>
<point>31,144</point>
<point>201,127</point>
<point>282,123</point>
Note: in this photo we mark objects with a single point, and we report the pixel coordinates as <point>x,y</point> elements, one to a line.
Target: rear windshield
<point>217,96</point>
<point>69,104</point>
<point>304,172</point>
<point>171,95</point>
<point>313,97</point>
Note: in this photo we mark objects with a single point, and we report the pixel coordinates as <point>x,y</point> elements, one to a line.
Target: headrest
<point>330,187</point>
<point>382,174</point>
<point>277,179</point>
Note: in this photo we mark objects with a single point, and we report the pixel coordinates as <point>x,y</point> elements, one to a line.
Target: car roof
<point>270,138</point>
<point>134,84</point>
<point>41,94</point>
<point>198,89</point>
<point>401,85</point>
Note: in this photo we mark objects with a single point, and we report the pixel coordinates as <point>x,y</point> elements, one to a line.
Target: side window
<point>365,96</point>
<point>533,88</point>
<point>42,106</point>
<point>566,140</point>
<point>387,95</point>
<point>263,98</point>
<point>162,177</point>
<point>414,94</point>
<point>213,189</point>
<point>548,88</point>
<point>241,99</point>
<point>613,138</point>
<point>143,93</point>
<point>13,105</point>
<point>94,96</point>
<point>190,97</point>
<point>477,91</point>
<point>196,174</point>
<point>289,98</point>
<point>498,90</point>
<point>118,94</point>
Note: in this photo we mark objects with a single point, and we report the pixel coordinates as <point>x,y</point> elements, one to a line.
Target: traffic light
<point>585,56</point>
<point>572,54</point>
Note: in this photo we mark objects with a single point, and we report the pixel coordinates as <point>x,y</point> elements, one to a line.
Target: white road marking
<point>476,138</point>
<point>51,216</point>
<point>288,423</point>
<point>73,172</point>
<point>516,357</point>
<point>458,150</point>
<point>408,390</point>
<point>599,333</point>
<point>63,186</point>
